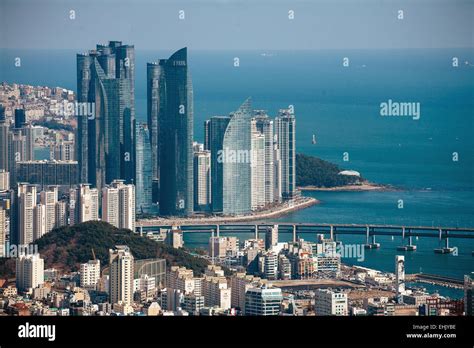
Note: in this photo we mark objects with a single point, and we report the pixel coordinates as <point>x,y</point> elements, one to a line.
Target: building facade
<point>236,159</point>
<point>121,275</point>
<point>285,125</point>
<point>105,141</point>
<point>170,117</point>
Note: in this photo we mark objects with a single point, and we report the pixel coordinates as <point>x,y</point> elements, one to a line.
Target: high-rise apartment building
<point>83,204</point>
<point>285,125</point>
<point>265,126</point>
<point>400,277</point>
<point>90,274</point>
<point>4,180</point>
<point>216,292</point>
<point>29,271</point>
<point>49,199</point>
<point>121,275</point>
<point>271,236</point>
<point>4,145</point>
<point>202,180</point>
<point>62,151</point>
<point>26,202</point>
<point>257,167</point>
<point>239,284</point>
<point>469,294</point>
<point>170,118</point>
<point>118,205</point>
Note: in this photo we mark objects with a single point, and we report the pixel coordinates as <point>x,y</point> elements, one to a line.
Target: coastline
<point>366,186</point>
<point>281,210</point>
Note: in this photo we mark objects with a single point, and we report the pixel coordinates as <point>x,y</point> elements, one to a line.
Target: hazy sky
<point>238,24</point>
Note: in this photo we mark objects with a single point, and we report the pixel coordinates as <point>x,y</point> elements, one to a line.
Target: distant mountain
<point>313,171</point>
<point>65,248</point>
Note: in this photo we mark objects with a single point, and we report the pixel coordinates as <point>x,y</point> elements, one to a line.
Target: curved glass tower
<point>236,158</point>
<point>106,139</point>
<point>170,116</point>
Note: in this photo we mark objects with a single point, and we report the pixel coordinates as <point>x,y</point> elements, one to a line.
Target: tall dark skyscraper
<point>170,118</point>
<point>106,136</point>
<point>207,134</point>
<point>217,128</point>
<point>2,113</point>
<point>20,118</point>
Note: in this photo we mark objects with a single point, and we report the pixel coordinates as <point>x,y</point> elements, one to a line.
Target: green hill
<point>67,247</point>
<point>313,171</point>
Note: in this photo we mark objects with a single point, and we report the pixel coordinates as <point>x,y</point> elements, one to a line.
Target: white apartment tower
<point>29,272</point>
<point>27,197</point>
<point>400,276</point>
<point>118,205</point>
<point>265,126</point>
<point>4,180</point>
<point>83,204</point>
<point>257,168</point>
<point>202,180</point>
<point>277,194</point>
<point>49,199</point>
<point>90,274</point>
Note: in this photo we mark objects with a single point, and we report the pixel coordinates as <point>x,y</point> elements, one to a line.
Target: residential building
<point>263,301</point>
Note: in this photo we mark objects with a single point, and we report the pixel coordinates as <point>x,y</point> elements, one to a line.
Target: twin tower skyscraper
<point>106,137</point>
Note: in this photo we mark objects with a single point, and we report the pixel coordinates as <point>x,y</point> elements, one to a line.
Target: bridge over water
<point>370,231</point>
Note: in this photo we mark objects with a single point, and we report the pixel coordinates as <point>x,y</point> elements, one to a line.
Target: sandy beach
<point>275,212</point>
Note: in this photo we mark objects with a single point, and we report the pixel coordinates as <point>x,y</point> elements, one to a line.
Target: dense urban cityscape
<point>104,165</point>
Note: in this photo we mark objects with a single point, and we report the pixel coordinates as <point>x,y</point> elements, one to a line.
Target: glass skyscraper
<point>217,128</point>
<point>170,117</point>
<point>236,157</point>
<point>143,174</point>
<point>106,139</point>
<point>285,125</point>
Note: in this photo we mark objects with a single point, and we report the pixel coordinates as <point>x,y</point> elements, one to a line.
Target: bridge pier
<point>217,230</point>
<point>256,231</point>
<point>372,244</point>
<point>409,246</point>
<point>331,233</point>
<point>447,249</point>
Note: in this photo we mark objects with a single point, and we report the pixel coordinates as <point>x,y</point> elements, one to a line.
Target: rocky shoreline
<point>367,186</point>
